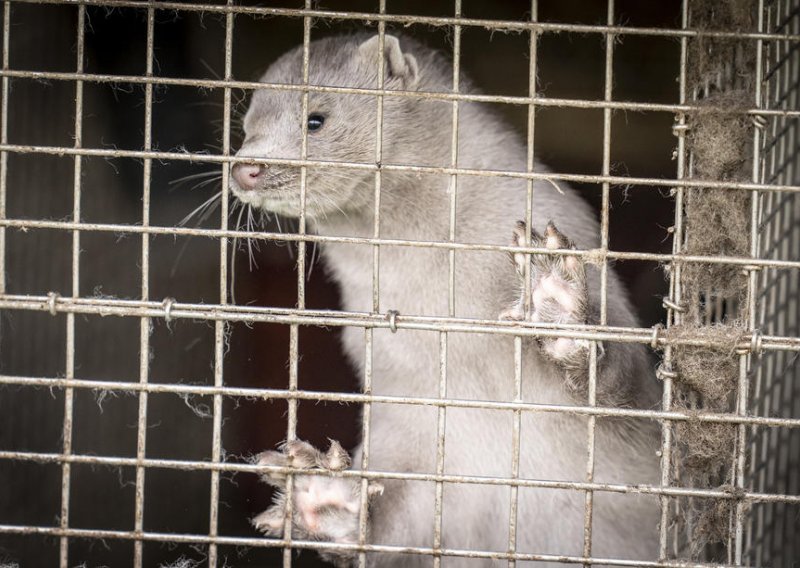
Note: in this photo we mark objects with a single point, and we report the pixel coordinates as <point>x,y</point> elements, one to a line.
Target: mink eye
<point>315,122</point>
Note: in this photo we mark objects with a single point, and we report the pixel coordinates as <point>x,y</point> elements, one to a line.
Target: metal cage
<point>102,344</point>
<point>773,452</point>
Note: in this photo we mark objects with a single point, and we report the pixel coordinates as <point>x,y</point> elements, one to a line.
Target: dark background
<point>43,37</point>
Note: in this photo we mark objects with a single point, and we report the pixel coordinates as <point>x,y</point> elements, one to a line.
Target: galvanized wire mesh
<point>766,479</point>
<point>773,462</point>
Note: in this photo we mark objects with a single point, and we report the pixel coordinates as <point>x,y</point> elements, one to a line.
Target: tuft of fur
<point>714,523</point>
<point>707,377</point>
<point>718,220</point>
<point>720,135</point>
<point>717,223</point>
<point>712,371</point>
<point>708,56</point>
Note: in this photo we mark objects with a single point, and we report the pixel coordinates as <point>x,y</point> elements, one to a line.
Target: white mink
<point>414,281</point>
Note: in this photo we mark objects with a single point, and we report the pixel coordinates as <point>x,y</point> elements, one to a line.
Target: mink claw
<point>559,292</point>
<point>336,458</point>
<point>325,505</point>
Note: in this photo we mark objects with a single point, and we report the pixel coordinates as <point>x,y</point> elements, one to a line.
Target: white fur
<point>415,281</point>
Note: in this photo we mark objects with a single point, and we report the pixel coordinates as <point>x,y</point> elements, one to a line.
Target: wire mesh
<point>771,532</point>
<point>766,479</point>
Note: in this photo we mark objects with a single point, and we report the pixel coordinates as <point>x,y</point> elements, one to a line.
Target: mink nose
<point>248,176</point>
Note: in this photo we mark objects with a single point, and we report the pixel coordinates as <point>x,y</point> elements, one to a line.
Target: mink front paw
<point>558,293</point>
<point>325,507</point>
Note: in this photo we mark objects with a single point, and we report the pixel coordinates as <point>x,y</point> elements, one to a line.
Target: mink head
<point>340,127</point>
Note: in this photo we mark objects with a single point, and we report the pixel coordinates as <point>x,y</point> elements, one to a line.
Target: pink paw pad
<point>558,288</point>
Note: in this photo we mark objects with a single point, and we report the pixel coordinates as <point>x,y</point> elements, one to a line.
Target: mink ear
<point>398,65</point>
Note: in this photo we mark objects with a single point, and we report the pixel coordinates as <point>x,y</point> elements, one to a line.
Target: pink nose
<point>248,176</point>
